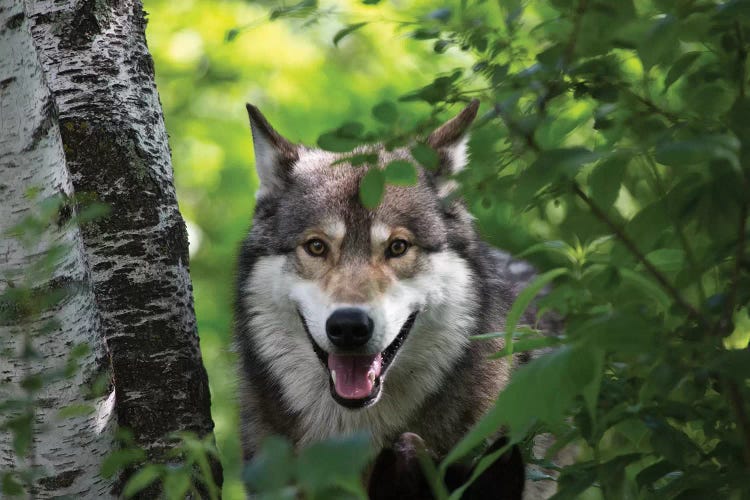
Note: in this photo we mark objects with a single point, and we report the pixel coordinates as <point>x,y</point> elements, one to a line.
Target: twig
<point>573,40</point>
<point>735,283</point>
<point>651,105</point>
<point>662,192</point>
<point>513,127</point>
<point>631,246</point>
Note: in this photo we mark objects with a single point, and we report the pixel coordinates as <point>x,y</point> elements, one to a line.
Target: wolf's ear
<point>274,155</point>
<point>451,138</point>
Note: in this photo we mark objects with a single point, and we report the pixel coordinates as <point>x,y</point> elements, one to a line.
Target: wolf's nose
<point>349,327</point>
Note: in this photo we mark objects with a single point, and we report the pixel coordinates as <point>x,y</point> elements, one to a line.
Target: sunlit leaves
<point>740,336</point>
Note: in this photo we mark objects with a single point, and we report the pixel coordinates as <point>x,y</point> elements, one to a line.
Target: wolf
<point>353,319</point>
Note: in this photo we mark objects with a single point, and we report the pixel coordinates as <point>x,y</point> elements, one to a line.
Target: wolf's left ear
<point>274,155</point>
<point>451,138</point>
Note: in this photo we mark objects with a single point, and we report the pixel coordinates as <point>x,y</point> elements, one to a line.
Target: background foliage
<point>611,150</point>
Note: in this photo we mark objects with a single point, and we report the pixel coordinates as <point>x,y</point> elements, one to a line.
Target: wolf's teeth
<point>333,376</point>
<point>371,376</point>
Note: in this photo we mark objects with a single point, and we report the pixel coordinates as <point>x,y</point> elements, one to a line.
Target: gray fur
<point>440,407</point>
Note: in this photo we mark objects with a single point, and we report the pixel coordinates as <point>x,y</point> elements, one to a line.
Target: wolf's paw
<point>397,473</point>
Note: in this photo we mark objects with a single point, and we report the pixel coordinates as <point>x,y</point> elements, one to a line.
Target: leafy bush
<point>614,152</point>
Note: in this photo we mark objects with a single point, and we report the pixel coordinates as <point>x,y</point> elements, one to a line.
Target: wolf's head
<point>381,297</point>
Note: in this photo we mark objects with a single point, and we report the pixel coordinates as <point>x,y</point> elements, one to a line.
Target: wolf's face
<point>358,302</point>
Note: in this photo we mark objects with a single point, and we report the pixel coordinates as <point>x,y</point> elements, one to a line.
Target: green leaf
<point>740,336</point>
<point>679,68</point>
<point>524,299</point>
<point>177,484</point>
<point>652,289</point>
<point>358,159</point>
<point>231,34</point>
<point>606,178</point>
<point>572,368</point>
<point>385,112</point>
<point>300,9</point>
<point>119,459</point>
<point>371,188</point>
<point>435,92</point>
<point>699,150</point>
<point>330,462</point>
<point>271,469</point>
<point>425,33</point>
<point>11,486</point>
<point>660,40</point>
<point>425,155</point>
<point>333,141</point>
<point>141,480</point>
<point>667,259</point>
<point>401,173</point>
<point>75,410</point>
<point>347,31</point>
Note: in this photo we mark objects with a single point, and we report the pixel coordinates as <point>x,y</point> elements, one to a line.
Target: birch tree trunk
<point>68,451</point>
<point>91,65</point>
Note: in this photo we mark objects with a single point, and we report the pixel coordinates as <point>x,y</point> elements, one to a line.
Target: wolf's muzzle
<point>349,327</point>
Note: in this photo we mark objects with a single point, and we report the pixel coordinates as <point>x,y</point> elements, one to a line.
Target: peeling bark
<point>70,450</point>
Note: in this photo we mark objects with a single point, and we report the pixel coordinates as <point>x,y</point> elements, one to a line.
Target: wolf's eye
<point>316,247</point>
<point>397,248</point>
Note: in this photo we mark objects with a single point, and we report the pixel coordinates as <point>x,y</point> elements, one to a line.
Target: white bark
<point>101,76</point>
<point>31,157</point>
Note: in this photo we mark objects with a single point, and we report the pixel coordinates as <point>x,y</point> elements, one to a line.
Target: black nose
<point>349,327</point>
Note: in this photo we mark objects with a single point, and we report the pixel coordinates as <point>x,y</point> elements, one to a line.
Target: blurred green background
<point>212,57</point>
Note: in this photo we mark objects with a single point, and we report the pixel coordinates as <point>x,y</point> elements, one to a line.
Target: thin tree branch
<point>743,422</point>
<point>741,58</point>
<point>651,105</point>
<point>735,283</point>
<point>631,246</point>
<point>662,192</point>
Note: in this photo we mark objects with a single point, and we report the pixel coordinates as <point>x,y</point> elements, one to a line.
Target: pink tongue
<point>353,374</point>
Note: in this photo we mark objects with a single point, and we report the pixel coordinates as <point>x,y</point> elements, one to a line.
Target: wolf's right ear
<point>274,155</point>
<point>451,138</point>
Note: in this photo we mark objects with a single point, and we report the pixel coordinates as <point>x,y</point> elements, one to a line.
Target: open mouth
<point>355,379</point>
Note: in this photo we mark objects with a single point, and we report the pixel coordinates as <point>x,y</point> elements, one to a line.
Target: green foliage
<point>327,469</point>
<point>184,470</point>
<point>612,143</point>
